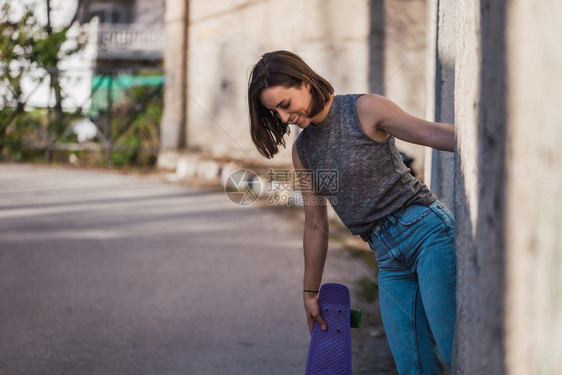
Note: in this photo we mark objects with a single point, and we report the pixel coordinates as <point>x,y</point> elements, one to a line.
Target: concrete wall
<point>227,38</point>
<point>405,64</point>
<point>508,196</point>
<point>534,188</point>
<point>480,206</point>
<point>364,46</point>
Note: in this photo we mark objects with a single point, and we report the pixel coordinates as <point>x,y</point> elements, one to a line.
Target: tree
<point>32,48</point>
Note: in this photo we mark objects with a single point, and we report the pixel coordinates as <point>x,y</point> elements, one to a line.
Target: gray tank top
<point>364,180</point>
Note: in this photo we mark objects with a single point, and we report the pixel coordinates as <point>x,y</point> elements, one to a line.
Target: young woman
<point>375,196</point>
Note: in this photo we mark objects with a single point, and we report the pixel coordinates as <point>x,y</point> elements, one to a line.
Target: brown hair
<point>280,68</point>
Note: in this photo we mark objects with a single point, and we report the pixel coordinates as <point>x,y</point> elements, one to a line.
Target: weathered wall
<point>227,38</point>
<point>364,46</point>
<point>534,188</point>
<point>480,206</point>
<point>405,64</point>
<point>508,196</point>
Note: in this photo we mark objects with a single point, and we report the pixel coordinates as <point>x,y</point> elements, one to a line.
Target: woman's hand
<point>313,312</point>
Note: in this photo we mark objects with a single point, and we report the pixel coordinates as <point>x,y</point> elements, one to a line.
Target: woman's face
<point>290,105</point>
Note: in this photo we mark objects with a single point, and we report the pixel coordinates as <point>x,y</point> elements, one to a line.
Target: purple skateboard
<point>330,350</point>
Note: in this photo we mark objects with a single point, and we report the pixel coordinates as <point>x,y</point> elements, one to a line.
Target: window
<point>108,13</point>
<point>116,17</point>
<point>100,14</point>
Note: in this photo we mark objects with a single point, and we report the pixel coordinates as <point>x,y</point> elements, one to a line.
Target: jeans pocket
<point>444,214</point>
<point>414,214</point>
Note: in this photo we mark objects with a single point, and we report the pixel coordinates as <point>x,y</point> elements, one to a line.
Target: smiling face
<point>290,105</point>
<point>283,90</point>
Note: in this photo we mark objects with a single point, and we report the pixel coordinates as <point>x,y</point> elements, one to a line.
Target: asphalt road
<point>105,273</point>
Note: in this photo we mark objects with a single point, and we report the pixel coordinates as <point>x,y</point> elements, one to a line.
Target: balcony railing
<point>129,41</point>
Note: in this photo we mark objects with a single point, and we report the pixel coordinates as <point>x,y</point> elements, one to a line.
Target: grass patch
<point>368,290</point>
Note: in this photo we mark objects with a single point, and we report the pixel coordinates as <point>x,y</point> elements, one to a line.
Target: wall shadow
<point>376,47</point>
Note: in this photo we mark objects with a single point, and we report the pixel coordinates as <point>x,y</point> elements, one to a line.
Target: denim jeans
<point>415,250</point>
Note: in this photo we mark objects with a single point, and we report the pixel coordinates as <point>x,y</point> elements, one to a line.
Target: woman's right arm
<point>315,246</point>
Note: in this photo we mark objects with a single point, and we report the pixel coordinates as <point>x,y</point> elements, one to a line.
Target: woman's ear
<point>306,85</point>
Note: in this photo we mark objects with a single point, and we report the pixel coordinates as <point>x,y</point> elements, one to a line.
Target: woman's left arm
<point>391,119</point>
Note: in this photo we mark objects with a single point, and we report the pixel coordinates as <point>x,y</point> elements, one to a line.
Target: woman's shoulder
<point>370,98</point>
<point>372,104</point>
<point>343,101</point>
<point>371,109</point>
<point>363,101</point>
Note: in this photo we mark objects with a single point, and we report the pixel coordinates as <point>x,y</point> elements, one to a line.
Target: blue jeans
<point>415,249</point>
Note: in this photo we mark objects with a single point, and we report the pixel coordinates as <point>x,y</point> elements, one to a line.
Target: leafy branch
<point>32,50</point>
